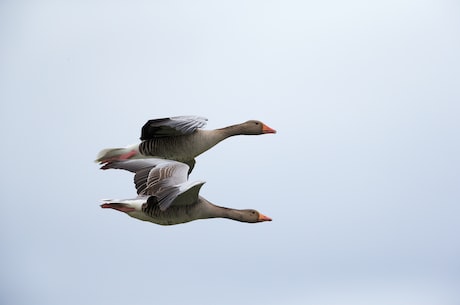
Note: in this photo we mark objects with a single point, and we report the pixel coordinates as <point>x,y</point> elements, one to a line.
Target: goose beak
<point>266,129</point>
<point>263,218</point>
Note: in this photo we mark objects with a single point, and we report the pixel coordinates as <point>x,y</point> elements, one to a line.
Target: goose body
<point>179,138</point>
<point>167,197</point>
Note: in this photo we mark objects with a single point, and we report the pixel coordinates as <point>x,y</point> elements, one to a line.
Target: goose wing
<point>173,126</point>
<point>164,179</point>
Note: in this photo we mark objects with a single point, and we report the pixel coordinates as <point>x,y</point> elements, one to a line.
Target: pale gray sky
<point>361,180</point>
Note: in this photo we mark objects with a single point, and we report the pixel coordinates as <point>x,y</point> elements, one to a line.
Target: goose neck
<point>211,210</point>
<point>232,130</point>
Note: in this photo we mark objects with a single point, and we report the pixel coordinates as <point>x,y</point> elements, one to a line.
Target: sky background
<point>361,180</point>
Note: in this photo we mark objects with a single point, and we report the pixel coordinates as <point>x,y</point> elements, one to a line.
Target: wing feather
<point>173,126</point>
<point>166,180</point>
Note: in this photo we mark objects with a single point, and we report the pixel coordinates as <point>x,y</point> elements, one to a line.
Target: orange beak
<point>264,218</point>
<point>266,129</point>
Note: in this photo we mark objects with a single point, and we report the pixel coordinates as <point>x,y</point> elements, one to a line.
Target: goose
<point>179,138</point>
<point>167,197</point>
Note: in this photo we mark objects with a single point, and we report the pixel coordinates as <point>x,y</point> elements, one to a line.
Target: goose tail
<point>116,154</point>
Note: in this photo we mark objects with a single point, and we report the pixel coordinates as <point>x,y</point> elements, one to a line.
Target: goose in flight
<point>167,197</point>
<point>179,138</point>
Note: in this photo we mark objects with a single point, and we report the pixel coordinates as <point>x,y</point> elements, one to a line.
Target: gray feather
<point>166,180</point>
<point>173,126</point>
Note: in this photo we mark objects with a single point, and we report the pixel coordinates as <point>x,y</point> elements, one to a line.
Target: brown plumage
<point>166,197</point>
<point>180,138</point>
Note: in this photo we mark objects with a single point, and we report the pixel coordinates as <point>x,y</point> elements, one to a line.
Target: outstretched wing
<point>174,126</point>
<point>164,179</point>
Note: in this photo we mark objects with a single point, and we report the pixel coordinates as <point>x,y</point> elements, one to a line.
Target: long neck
<point>209,210</point>
<point>209,138</point>
<point>233,130</point>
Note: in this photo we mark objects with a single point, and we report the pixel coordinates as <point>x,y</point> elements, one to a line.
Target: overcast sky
<point>361,180</point>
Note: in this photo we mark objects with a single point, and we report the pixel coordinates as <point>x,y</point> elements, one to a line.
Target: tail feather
<point>108,153</point>
<point>112,154</point>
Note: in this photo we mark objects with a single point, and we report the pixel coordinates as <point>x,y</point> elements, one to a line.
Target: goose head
<point>254,127</point>
<point>251,216</point>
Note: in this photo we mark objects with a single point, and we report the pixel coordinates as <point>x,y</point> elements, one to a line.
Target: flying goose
<point>179,138</point>
<point>166,197</point>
